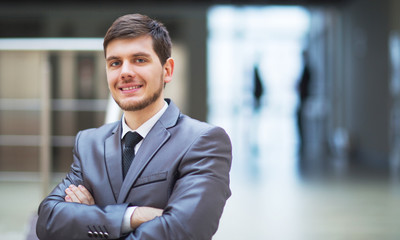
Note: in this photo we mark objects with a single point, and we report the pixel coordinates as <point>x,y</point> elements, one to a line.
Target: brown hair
<point>137,25</point>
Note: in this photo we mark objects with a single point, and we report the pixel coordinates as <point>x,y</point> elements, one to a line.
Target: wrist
<point>144,214</point>
<point>136,218</point>
<point>126,222</point>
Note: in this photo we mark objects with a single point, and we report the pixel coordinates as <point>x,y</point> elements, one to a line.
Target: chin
<point>135,105</point>
<point>130,106</point>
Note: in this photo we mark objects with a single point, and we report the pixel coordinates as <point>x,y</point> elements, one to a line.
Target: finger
<point>72,195</point>
<point>68,199</point>
<point>79,194</point>
<point>88,195</point>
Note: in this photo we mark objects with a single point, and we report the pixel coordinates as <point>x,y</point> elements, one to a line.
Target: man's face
<point>134,73</point>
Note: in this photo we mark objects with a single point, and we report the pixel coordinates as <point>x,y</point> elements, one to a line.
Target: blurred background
<point>308,90</point>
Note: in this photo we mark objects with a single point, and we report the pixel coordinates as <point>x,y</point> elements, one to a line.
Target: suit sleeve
<point>199,194</point>
<point>67,221</point>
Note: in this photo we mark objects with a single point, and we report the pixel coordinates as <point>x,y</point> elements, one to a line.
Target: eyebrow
<point>111,58</point>
<point>139,54</point>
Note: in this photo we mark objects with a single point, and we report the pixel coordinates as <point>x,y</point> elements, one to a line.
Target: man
<point>178,182</point>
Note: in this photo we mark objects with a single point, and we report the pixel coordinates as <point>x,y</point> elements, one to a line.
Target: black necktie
<point>131,139</point>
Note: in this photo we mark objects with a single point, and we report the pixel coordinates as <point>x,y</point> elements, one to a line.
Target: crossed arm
<point>193,209</point>
<point>79,194</point>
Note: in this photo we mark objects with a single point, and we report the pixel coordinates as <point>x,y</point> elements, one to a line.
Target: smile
<point>131,88</point>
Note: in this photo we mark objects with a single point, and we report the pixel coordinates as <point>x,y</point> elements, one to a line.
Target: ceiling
<point>194,2</point>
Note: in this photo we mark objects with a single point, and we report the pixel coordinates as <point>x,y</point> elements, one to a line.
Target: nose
<point>127,72</point>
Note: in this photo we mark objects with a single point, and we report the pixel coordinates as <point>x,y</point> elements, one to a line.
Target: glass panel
<point>79,97</point>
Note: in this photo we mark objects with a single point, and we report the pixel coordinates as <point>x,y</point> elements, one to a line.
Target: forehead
<point>130,46</point>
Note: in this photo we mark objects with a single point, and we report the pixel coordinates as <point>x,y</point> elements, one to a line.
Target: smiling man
<point>156,173</point>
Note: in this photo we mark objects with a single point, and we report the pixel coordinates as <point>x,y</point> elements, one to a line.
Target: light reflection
<point>270,39</point>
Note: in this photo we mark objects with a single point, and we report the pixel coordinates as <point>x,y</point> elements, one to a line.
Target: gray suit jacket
<point>182,167</point>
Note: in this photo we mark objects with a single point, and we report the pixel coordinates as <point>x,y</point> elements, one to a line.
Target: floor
<point>330,207</point>
<point>19,203</point>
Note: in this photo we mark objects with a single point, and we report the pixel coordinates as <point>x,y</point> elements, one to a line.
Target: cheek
<point>155,75</point>
<point>111,78</point>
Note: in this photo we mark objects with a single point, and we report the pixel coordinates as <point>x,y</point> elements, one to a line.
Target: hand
<point>78,195</point>
<point>144,214</point>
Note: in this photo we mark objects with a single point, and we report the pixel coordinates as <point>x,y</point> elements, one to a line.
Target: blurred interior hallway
<point>284,188</point>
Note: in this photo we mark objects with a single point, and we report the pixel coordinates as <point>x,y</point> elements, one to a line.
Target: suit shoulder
<point>186,120</point>
<point>197,127</point>
<point>104,130</point>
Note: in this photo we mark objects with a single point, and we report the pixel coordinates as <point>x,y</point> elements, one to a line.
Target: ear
<point>168,70</point>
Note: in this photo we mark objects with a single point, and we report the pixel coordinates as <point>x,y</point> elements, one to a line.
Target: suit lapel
<point>113,160</point>
<point>156,138</point>
<point>151,144</point>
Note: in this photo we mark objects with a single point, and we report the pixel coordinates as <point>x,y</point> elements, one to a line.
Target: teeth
<point>130,88</point>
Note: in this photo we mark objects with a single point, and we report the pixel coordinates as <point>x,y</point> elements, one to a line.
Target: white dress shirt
<point>143,130</point>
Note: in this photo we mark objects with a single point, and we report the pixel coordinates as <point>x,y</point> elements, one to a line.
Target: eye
<point>114,64</point>
<point>140,60</point>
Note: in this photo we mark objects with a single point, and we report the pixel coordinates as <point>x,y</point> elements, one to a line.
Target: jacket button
<point>95,234</point>
<point>106,235</point>
<point>90,234</point>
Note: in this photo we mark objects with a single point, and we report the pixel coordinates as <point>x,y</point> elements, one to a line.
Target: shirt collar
<point>145,128</point>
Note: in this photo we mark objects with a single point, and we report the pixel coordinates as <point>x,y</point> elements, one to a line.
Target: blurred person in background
<point>178,182</point>
<point>303,89</point>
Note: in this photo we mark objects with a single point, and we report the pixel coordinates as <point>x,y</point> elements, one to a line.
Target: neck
<point>134,119</point>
